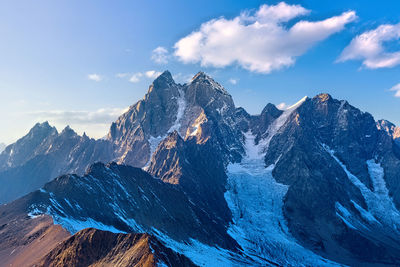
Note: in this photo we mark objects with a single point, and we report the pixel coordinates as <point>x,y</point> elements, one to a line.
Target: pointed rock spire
<point>68,131</point>
<point>164,80</point>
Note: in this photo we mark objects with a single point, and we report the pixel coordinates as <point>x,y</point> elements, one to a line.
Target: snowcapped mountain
<point>313,185</point>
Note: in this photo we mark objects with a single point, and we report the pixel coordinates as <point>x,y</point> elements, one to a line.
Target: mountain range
<point>186,178</point>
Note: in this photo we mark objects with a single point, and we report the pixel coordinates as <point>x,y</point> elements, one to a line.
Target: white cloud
<point>281,12</point>
<point>160,55</point>
<point>396,89</point>
<point>233,81</point>
<point>282,106</point>
<point>259,42</point>
<point>369,47</point>
<point>152,74</point>
<point>95,77</point>
<point>135,77</point>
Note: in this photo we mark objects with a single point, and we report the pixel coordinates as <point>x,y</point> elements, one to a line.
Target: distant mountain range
<point>186,178</point>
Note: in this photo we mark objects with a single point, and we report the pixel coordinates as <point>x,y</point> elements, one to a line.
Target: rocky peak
<point>272,110</point>
<point>392,130</point>
<point>68,132</point>
<point>210,95</point>
<point>260,123</point>
<point>163,81</point>
<point>204,79</point>
<point>323,97</point>
<point>28,146</point>
<point>41,129</point>
<point>388,127</point>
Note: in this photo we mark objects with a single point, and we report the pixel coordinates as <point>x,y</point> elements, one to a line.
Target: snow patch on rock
<point>181,110</point>
<point>73,226</point>
<point>276,125</point>
<point>155,141</point>
<point>202,254</point>
<point>381,209</point>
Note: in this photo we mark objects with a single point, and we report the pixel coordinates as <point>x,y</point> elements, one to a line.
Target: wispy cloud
<point>260,41</point>
<point>233,81</point>
<point>369,48</point>
<point>99,116</point>
<point>160,55</point>
<point>95,123</point>
<point>396,89</point>
<point>137,76</point>
<point>152,74</point>
<point>282,106</point>
<point>95,77</point>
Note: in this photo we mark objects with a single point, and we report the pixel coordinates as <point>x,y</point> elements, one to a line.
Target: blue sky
<point>83,62</point>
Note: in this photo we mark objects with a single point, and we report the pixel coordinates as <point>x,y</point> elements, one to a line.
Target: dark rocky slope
<point>125,199</point>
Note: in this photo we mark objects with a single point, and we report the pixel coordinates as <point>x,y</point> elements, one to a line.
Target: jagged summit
<point>67,129</point>
<point>200,75</point>
<point>202,78</point>
<point>270,108</point>
<point>44,124</point>
<point>386,125</point>
<point>42,127</point>
<point>323,97</point>
<point>163,81</point>
<point>392,130</point>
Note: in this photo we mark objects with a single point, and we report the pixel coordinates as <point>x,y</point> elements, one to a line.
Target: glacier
<point>256,201</point>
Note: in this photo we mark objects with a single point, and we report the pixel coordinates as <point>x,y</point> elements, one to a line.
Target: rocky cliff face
<point>169,107</point>
<point>158,113</point>
<point>316,184</point>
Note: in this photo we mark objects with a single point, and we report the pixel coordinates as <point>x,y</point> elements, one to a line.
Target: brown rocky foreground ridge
<point>92,247</point>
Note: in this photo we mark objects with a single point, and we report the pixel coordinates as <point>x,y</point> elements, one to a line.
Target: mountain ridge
<point>209,176</point>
